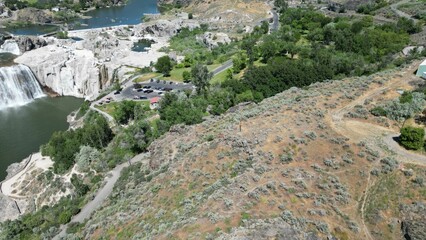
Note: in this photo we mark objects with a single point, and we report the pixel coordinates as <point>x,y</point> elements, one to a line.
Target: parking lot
<point>147,90</point>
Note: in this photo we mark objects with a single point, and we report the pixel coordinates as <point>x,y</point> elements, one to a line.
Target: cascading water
<point>18,86</point>
<point>10,46</point>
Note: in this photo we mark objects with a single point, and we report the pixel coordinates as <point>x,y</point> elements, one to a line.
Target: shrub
<point>412,137</point>
<point>164,65</point>
<point>378,111</point>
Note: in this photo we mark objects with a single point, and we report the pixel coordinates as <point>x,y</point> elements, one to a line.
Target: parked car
<point>135,97</point>
<point>143,97</point>
<point>140,90</point>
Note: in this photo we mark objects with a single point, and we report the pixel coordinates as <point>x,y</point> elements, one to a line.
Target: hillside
<point>305,164</point>
<point>222,15</point>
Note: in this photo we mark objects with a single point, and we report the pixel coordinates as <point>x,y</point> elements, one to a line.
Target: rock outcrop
<point>413,225</point>
<point>28,43</point>
<point>163,28</point>
<point>9,209</point>
<point>66,71</point>
<point>34,15</point>
<point>212,40</point>
<point>20,44</point>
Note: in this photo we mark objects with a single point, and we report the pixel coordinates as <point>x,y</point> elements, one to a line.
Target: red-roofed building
<point>154,102</point>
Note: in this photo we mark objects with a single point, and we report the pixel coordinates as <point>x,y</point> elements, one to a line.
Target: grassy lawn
<point>176,73</point>
<point>258,63</point>
<point>219,78</point>
<point>110,107</point>
<point>148,76</point>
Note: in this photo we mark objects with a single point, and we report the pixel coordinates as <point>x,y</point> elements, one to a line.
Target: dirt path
<point>400,13</point>
<point>357,131</point>
<point>100,196</point>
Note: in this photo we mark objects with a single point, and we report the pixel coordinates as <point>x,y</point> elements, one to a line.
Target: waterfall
<point>10,46</point>
<point>18,86</point>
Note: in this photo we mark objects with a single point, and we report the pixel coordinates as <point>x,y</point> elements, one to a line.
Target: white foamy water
<point>18,86</point>
<point>10,46</point>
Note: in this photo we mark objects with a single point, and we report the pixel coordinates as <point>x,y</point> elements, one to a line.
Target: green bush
<point>412,137</point>
<point>378,111</point>
<point>164,65</point>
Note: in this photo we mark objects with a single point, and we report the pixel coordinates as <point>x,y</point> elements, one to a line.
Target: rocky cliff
<point>65,71</point>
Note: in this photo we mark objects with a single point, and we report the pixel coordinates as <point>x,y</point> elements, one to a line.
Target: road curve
<point>226,65</point>
<point>100,196</point>
<point>408,156</point>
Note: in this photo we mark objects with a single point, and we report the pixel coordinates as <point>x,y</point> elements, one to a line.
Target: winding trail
<point>101,195</point>
<point>400,13</point>
<point>357,131</point>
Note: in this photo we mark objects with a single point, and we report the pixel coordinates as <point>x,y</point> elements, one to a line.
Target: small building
<point>154,102</point>
<point>421,71</point>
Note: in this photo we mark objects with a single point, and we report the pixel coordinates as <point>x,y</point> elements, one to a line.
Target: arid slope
<point>297,165</point>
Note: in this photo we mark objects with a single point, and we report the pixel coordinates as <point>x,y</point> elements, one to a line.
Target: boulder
<point>28,43</point>
<point>212,40</point>
<point>9,209</point>
<point>413,224</point>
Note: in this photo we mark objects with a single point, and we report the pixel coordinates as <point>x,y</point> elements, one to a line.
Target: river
<point>24,129</point>
<point>128,14</point>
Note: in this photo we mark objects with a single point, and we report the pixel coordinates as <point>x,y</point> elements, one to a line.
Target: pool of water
<point>141,45</point>
<point>24,129</point>
<point>6,59</point>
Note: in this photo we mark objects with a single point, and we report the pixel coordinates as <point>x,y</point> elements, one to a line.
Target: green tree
<point>412,138</point>
<point>164,65</point>
<point>186,75</point>
<point>239,62</point>
<point>201,78</point>
<point>124,111</point>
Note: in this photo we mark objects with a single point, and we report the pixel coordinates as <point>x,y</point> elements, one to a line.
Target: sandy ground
<point>37,162</point>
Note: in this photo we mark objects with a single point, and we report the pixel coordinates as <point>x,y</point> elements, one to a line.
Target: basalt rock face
<point>413,225</point>
<point>164,28</point>
<point>8,208</point>
<point>213,40</point>
<point>20,44</point>
<point>178,2</point>
<point>33,15</point>
<point>28,43</point>
<point>68,72</point>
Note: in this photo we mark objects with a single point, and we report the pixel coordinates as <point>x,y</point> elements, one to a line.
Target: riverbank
<point>12,200</point>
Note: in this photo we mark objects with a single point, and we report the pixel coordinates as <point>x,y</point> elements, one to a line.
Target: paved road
<point>106,115</point>
<point>226,65</point>
<point>275,23</point>
<point>100,196</point>
<point>390,141</point>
